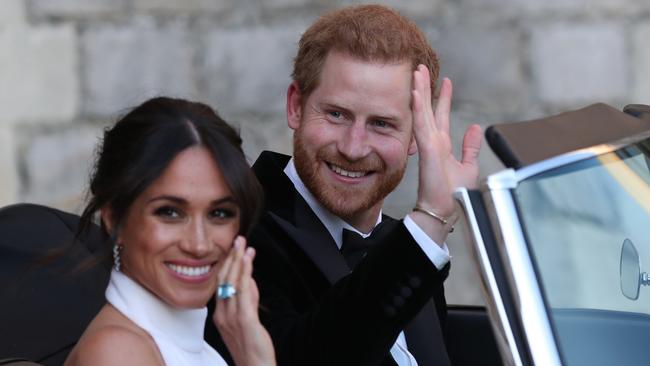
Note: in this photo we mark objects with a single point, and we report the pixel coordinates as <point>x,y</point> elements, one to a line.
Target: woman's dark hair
<point>142,144</point>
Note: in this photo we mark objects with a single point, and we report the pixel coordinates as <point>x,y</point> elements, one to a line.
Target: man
<point>359,105</point>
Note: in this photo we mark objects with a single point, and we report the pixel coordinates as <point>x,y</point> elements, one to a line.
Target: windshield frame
<point>513,249</point>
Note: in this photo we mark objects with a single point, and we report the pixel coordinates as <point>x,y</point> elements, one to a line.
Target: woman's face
<point>179,228</point>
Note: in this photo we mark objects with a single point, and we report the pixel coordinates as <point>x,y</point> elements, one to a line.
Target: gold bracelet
<point>443,220</point>
<point>432,214</point>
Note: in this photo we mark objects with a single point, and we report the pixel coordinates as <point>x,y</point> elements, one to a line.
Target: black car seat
<point>46,305</point>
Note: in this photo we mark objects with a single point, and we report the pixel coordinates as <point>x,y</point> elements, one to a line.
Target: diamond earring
<point>117,249</point>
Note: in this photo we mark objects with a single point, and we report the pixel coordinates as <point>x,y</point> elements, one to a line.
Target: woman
<point>175,195</point>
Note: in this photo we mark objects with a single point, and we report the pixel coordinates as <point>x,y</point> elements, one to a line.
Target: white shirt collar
<point>333,223</point>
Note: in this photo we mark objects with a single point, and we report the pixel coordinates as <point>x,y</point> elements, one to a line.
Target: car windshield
<point>576,220</point>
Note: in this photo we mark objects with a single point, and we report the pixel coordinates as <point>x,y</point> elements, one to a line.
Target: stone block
<point>8,167</point>
<point>185,6</point>
<point>38,73</point>
<point>415,9</point>
<point>124,65</point>
<point>76,9</point>
<point>249,70</point>
<point>263,133</point>
<point>57,165</point>
<point>12,12</point>
<point>576,64</point>
<point>641,66</point>
<point>535,8</point>
<point>484,64</point>
<point>277,4</point>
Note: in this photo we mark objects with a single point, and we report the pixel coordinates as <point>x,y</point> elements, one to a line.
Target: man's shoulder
<point>271,160</point>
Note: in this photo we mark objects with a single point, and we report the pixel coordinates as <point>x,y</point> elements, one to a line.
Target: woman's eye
<point>222,213</point>
<point>168,212</point>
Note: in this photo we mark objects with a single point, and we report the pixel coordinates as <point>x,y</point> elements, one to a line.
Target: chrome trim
<point>561,160</point>
<point>506,180</point>
<point>493,299</point>
<point>521,277</point>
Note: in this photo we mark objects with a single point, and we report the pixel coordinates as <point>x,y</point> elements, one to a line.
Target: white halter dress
<point>177,333</point>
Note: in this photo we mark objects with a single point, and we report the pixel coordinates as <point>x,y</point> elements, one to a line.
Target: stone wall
<point>70,67</point>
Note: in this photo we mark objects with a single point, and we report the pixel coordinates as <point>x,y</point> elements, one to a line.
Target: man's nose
<point>354,143</point>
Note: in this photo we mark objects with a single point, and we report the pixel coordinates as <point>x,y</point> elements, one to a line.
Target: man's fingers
<point>418,121</point>
<point>443,107</point>
<point>471,145</point>
<point>423,124</point>
<point>425,85</point>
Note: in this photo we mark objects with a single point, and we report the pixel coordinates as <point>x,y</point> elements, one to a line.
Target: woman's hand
<point>237,316</point>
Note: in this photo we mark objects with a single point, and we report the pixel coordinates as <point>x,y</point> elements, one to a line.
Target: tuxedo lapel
<point>321,249</point>
<point>289,210</point>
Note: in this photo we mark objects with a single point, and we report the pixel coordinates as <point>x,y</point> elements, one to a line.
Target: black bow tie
<point>355,247</point>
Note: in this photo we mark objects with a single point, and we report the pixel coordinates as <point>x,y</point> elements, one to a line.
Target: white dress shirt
<point>335,225</point>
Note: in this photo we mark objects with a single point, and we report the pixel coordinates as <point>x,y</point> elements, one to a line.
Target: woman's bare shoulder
<point>112,339</point>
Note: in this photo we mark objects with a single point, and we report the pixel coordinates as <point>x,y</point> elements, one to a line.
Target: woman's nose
<point>196,241</point>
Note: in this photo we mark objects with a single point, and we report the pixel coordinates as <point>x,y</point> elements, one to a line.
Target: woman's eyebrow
<point>227,199</point>
<point>174,199</point>
<point>181,201</point>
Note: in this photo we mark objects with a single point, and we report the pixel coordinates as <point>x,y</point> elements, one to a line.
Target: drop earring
<point>117,249</point>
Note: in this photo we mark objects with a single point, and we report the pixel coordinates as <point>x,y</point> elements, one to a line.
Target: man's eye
<point>379,123</point>
<point>168,212</point>
<point>336,114</point>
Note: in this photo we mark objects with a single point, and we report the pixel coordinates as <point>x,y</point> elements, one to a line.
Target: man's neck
<point>365,221</point>
<point>332,222</point>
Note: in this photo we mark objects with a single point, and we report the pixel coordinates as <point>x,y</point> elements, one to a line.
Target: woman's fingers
<point>233,276</point>
<point>225,265</point>
<point>237,318</point>
<point>249,302</point>
<point>222,311</point>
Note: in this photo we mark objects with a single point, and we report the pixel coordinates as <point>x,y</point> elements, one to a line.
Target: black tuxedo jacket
<point>317,311</point>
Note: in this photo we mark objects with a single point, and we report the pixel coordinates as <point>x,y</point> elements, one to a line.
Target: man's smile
<point>347,173</point>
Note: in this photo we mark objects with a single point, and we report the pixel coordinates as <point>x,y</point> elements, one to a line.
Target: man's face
<point>353,134</point>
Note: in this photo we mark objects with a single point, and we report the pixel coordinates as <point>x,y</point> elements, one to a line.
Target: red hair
<point>368,32</point>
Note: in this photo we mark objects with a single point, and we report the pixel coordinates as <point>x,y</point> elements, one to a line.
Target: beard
<point>340,199</point>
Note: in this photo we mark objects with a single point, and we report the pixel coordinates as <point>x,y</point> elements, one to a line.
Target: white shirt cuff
<point>437,255</point>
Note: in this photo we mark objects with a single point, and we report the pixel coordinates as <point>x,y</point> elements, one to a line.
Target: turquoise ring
<point>225,291</point>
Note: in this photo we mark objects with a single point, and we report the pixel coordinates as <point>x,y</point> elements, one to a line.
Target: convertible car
<point>558,237</point>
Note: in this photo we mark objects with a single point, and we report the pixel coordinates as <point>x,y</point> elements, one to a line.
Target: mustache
<point>371,162</point>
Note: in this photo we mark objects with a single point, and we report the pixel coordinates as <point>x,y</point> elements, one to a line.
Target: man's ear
<point>413,147</point>
<point>294,106</point>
